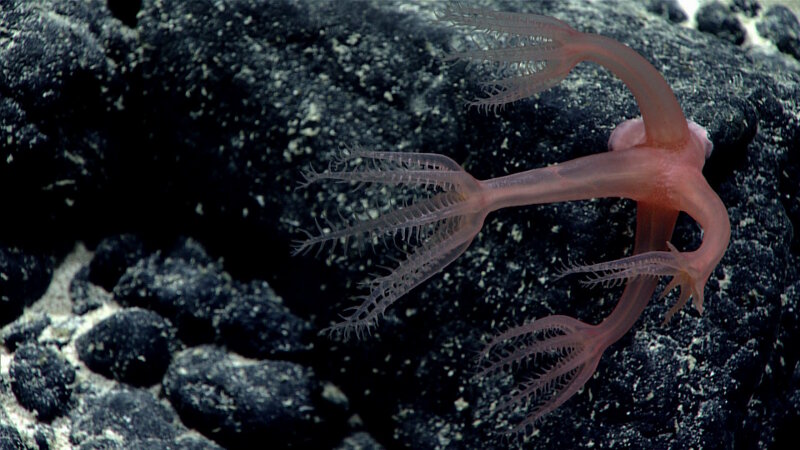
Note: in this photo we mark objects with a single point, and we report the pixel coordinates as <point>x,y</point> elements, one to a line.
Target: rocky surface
<point>129,126</point>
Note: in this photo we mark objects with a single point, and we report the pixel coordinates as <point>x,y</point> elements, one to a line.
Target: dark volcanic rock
<point>198,121</point>
<point>25,277</point>
<point>134,346</point>
<point>237,402</point>
<point>42,379</point>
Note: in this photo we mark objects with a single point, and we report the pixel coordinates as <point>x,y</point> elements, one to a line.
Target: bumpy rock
<point>237,402</point>
<point>42,379</point>
<point>134,346</point>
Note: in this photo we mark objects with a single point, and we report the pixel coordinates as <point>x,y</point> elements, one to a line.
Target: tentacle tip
<point>697,299</point>
<point>360,328</point>
<point>299,248</point>
<point>336,332</point>
<point>689,288</point>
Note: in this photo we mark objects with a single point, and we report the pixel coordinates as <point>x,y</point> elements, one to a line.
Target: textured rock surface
<point>242,402</point>
<point>133,346</point>
<point>42,381</point>
<point>128,124</point>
